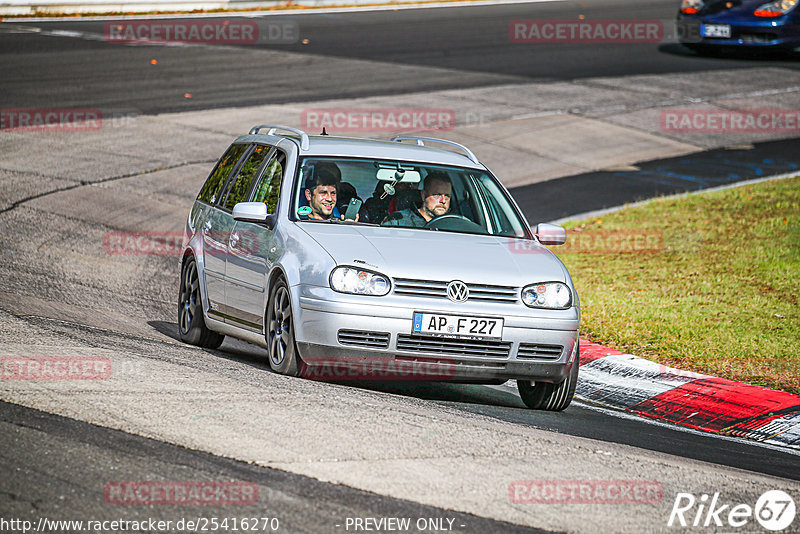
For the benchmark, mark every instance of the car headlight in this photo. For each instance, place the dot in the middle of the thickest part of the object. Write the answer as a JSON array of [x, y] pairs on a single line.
[[690, 7], [551, 295], [359, 281], [775, 9]]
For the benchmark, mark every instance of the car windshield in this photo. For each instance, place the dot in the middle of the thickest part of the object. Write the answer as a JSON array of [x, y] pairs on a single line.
[[404, 194]]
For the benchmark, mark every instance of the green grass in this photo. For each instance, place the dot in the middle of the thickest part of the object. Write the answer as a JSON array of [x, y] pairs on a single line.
[[717, 295]]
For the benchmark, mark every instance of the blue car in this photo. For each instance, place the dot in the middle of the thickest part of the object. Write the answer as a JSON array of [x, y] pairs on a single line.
[[708, 25]]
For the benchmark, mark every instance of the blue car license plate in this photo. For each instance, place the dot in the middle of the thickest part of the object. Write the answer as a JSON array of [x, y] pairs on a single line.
[[722, 31]]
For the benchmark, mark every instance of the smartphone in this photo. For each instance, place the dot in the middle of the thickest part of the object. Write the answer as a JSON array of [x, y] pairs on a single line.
[[352, 209]]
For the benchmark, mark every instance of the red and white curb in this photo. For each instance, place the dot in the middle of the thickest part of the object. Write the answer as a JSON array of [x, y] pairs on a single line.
[[612, 378]]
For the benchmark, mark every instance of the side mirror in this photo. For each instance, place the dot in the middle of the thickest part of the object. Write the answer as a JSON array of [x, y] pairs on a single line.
[[254, 212], [551, 234]]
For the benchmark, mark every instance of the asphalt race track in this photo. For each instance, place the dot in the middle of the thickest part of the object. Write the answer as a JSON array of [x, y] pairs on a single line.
[[318, 452], [304, 504], [670, 176]]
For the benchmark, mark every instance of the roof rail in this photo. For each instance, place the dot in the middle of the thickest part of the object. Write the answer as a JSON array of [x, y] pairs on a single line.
[[421, 142], [303, 136]]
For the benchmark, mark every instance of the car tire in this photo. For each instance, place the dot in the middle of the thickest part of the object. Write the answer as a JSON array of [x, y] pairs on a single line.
[[281, 346], [548, 396], [192, 327]]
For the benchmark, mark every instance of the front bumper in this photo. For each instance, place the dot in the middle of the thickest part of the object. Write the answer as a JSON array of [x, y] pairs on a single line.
[[779, 33], [355, 337]]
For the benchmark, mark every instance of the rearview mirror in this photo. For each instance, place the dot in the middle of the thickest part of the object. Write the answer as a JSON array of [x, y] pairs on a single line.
[[551, 234], [391, 175]]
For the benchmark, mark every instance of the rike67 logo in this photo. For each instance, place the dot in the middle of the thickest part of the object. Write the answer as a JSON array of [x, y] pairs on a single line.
[[774, 510]]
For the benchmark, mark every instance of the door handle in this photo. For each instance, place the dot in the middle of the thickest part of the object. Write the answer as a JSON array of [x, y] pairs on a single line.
[[207, 227], [234, 239]]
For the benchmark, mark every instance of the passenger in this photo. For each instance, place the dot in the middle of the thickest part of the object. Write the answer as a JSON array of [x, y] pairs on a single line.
[[347, 192], [320, 193], [436, 193], [405, 196], [374, 208]]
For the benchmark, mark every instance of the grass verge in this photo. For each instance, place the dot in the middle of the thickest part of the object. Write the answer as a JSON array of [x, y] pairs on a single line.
[[707, 282]]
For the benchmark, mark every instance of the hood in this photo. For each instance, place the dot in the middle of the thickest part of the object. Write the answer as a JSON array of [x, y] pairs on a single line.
[[433, 255]]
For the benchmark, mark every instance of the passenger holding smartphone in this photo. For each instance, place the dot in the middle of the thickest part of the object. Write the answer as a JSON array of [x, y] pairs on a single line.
[[321, 194]]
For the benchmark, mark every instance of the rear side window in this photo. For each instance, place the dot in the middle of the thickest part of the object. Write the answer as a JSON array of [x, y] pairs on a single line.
[[269, 188], [240, 187], [210, 192]]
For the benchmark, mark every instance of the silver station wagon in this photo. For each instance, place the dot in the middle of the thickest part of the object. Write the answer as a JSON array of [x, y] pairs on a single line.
[[355, 259]]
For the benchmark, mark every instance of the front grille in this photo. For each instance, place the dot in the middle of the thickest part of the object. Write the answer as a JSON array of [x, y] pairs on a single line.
[[359, 338], [436, 289], [453, 347], [533, 350]]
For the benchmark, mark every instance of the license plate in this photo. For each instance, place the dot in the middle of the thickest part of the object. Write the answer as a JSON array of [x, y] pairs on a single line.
[[459, 326], [715, 30]]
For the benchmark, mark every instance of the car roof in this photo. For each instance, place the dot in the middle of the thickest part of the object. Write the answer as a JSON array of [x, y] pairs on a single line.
[[334, 146]]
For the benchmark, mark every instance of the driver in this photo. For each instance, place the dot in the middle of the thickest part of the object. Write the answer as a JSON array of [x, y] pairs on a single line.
[[436, 193]]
